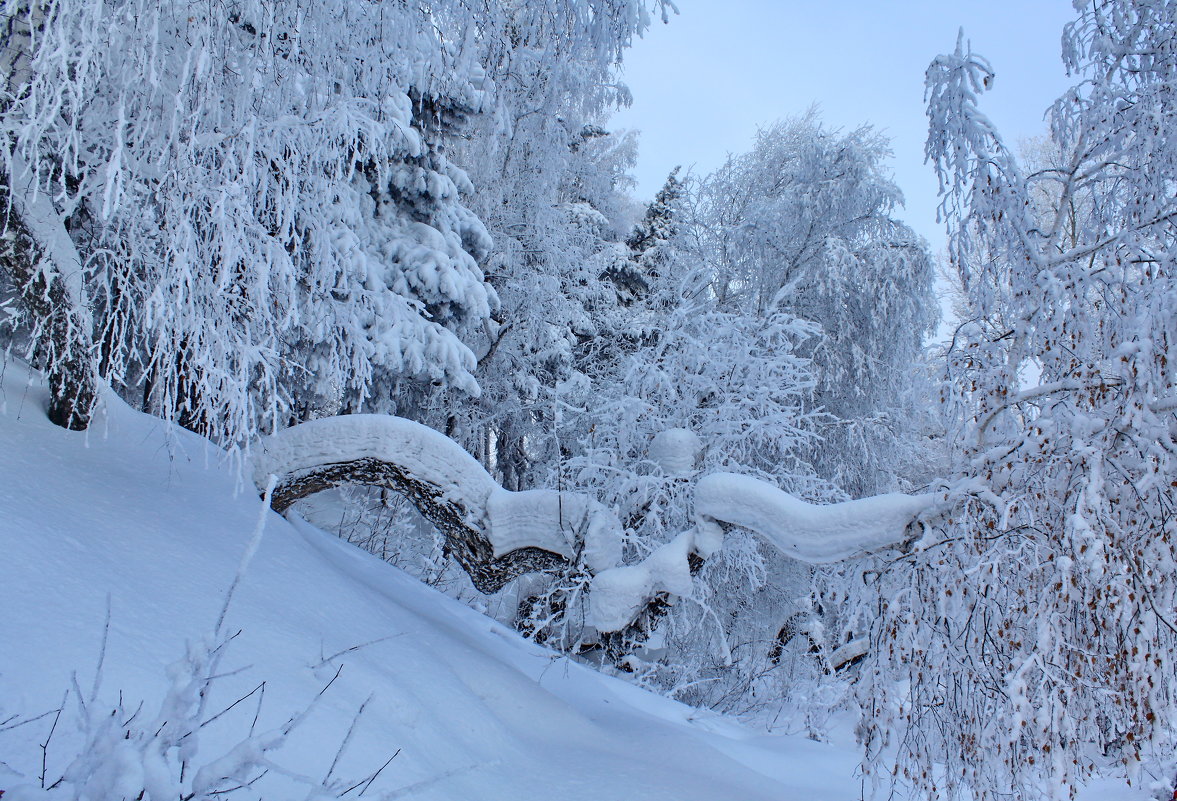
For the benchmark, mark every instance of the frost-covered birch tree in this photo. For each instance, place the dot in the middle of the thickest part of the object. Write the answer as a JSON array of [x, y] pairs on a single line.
[[1031, 637], [804, 223]]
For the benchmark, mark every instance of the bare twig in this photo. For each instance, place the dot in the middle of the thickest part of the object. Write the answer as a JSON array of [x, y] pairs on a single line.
[[230, 706], [338, 654], [346, 739], [45, 745], [368, 781], [377, 773], [101, 653], [257, 712], [301, 716], [18, 724], [134, 714], [250, 550]]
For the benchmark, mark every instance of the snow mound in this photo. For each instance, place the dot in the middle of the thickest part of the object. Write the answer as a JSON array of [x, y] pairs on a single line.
[[554, 521], [676, 451]]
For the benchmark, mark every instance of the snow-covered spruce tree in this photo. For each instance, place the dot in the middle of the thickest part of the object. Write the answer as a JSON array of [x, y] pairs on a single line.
[[635, 274], [1031, 639], [557, 328], [549, 184], [266, 224], [549, 177], [803, 223], [660, 223]]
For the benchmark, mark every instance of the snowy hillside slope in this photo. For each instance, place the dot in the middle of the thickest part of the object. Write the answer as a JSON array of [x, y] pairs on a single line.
[[159, 526]]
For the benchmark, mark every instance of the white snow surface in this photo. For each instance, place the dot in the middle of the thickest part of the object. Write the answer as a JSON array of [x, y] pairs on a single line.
[[160, 529], [805, 531], [157, 527], [675, 450]]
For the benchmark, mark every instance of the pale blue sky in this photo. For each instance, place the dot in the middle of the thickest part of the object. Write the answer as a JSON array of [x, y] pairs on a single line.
[[704, 83]]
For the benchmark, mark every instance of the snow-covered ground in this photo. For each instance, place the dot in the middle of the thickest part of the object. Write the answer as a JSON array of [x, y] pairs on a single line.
[[156, 527], [160, 527]]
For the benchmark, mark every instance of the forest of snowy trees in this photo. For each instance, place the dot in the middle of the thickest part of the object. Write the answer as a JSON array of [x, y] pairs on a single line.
[[387, 256]]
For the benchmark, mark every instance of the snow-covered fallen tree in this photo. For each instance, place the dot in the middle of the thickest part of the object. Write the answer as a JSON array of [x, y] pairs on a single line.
[[493, 533], [496, 535]]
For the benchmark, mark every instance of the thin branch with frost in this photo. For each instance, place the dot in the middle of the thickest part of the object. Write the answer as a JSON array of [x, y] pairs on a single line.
[[340, 653], [347, 738], [251, 549]]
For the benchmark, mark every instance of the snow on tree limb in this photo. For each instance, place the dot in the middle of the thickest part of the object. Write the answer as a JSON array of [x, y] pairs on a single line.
[[497, 535], [619, 595], [804, 531], [494, 534], [427, 456]]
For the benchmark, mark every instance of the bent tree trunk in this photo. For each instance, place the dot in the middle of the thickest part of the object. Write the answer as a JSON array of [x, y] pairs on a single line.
[[493, 534], [496, 535], [37, 253], [465, 542]]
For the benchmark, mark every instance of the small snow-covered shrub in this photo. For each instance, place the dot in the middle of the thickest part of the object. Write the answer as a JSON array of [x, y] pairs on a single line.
[[123, 750]]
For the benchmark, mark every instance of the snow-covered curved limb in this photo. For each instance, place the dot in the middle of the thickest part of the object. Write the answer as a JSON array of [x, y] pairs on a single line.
[[423, 453], [557, 521], [493, 533], [804, 531]]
